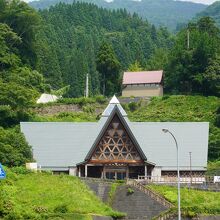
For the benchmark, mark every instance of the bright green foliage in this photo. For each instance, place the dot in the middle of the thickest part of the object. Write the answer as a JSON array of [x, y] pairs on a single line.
[[42, 195], [184, 108], [67, 117], [16, 96], [136, 66], [213, 168], [158, 60], [108, 66], [61, 92], [14, 150], [192, 70], [198, 202], [178, 108]]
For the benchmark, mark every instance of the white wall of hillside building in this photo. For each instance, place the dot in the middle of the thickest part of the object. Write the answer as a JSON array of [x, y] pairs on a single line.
[[142, 90]]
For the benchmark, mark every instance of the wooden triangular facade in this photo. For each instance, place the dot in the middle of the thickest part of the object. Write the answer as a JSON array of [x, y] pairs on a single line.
[[116, 145]]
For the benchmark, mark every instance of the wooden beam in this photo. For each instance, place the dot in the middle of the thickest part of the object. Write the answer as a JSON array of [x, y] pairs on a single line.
[[116, 162]]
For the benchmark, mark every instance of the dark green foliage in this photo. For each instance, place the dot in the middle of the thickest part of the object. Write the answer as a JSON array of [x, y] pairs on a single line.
[[217, 121], [167, 13], [108, 66], [71, 39], [14, 150], [212, 11], [23, 20], [19, 83], [133, 106], [195, 69]]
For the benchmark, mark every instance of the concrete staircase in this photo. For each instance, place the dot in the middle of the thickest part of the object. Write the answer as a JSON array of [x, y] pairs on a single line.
[[101, 188], [137, 205], [133, 199]]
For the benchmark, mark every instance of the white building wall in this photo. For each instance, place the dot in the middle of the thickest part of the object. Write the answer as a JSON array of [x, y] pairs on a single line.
[[156, 171], [72, 171]]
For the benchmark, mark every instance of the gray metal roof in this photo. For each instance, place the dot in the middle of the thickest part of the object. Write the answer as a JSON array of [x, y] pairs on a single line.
[[64, 144], [113, 102], [160, 148], [60, 144]]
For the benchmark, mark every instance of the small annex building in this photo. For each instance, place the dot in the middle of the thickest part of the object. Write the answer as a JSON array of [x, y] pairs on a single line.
[[142, 84], [115, 147]]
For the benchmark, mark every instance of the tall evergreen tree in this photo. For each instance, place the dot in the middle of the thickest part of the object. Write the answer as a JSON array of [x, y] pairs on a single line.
[[108, 67]]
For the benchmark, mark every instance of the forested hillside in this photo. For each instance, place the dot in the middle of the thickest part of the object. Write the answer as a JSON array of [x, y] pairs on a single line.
[[166, 13], [77, 39], [46, 50], [20, 84], [212, 11]]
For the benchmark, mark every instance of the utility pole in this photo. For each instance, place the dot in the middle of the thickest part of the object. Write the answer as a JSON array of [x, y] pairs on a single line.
[[87, 85], [190, 167], [187, 39]]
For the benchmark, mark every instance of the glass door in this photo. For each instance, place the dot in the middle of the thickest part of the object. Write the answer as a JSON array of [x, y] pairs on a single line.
[[121, 175]]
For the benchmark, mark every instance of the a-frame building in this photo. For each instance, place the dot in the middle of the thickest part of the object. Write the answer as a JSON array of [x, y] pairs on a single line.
[[117, 148], [115, 152]]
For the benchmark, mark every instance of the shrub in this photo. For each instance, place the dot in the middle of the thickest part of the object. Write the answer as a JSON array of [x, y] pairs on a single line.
[[40, 209], [130, 191], [20, 170], [13, 216], [100, 99], [88, 109], [133, 106], [61, 209]]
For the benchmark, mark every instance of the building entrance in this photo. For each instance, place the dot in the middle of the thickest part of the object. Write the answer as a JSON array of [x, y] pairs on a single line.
[[118, 173]]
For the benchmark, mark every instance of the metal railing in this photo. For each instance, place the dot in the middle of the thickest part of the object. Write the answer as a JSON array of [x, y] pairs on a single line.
[[173, 179], [157, 197]]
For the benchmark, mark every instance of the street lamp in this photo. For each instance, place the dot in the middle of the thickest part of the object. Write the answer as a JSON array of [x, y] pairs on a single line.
[[178, 171]]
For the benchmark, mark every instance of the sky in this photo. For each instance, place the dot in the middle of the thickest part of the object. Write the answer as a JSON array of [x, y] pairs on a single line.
[[207, 2]]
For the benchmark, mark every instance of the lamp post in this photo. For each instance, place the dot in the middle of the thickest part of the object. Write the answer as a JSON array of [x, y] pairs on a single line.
[[178, 172], [190, 167]]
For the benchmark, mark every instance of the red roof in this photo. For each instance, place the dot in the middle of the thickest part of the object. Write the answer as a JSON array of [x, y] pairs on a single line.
[[142, 77]]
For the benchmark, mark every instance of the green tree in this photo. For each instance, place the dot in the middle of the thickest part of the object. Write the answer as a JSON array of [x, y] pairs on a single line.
[[158, 60], [23, 20], [108, 66], [187, 67], [8, 54], [136, 66], [211, 78], [14, 150]]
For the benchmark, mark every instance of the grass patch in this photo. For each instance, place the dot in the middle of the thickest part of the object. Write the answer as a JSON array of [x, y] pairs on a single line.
[[213, 168], [66, 117], [184, 109], [193, 202], [34, 195]]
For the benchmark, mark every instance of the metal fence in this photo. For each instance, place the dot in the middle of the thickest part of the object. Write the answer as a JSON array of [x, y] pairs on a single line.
[[169, 179]]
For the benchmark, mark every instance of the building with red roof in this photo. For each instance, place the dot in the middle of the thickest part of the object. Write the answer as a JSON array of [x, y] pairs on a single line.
[[143, 83]]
